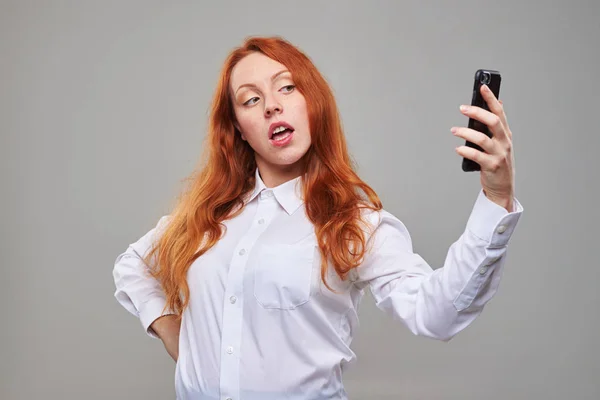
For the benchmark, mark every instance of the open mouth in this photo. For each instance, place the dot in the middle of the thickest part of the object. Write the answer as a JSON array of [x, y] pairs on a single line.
[[280, 130], [282, 134]]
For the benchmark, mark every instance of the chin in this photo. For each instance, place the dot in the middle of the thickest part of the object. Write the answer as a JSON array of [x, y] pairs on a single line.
[[285, 160]]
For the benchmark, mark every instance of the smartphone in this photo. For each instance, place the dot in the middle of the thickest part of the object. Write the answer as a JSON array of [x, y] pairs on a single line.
[[492, 79]]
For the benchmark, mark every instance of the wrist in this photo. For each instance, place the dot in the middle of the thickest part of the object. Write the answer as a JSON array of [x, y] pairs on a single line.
[[502, 200]]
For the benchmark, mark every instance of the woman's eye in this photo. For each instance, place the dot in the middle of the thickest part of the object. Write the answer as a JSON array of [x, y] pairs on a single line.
[[289, 88], [248, 102]]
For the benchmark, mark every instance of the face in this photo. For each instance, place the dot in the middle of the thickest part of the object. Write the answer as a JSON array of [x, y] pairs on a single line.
[[264, 95]]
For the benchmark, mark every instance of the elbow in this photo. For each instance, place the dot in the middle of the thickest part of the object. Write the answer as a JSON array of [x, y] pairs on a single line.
[[439, 334], [445, 324], [445, 337], [435, 320]]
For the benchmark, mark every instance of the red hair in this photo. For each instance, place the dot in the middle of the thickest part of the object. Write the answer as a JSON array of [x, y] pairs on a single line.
[[215, 193]]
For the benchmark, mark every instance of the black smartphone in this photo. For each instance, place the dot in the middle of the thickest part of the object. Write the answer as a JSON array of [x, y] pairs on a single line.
[[492, 79]]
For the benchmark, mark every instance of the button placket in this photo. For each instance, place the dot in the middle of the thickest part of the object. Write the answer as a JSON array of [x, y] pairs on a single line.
[[234, 300]]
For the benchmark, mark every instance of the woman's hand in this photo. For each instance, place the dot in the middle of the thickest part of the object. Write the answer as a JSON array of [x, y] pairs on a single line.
[[497, 162], [167, 328]]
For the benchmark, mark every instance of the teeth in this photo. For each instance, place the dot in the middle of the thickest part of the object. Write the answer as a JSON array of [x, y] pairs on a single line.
[[279, 129], [279, 139]]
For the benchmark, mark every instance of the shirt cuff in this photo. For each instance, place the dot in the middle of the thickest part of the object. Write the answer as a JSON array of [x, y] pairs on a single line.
[[493, 223], [150, 311]]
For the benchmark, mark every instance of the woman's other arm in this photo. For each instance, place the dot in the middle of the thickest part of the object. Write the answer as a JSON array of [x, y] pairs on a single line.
[[136, 290]]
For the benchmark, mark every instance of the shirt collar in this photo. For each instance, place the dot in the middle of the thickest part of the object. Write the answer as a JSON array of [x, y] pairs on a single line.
[[288, 194]]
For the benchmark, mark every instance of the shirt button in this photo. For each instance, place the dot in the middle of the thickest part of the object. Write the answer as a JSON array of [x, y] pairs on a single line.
[[242, 252], [229, 398], [482, 271], [232, 299], [261, 221], [501, 229], [229, 350]]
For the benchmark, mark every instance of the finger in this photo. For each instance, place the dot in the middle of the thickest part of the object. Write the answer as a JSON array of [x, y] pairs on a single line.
[[476, 137], [508, 131], [494, 104], [481, 158], [491, 120]]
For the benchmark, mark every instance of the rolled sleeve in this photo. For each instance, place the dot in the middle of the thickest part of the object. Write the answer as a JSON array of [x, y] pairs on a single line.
[[136, 290], [150, 312]]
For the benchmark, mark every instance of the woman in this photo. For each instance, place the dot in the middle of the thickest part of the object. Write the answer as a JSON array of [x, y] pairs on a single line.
[[254, 280]]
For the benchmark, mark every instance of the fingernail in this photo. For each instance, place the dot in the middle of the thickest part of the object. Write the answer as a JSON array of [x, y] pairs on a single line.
[[486, 88], [453, 130], [464, 108]]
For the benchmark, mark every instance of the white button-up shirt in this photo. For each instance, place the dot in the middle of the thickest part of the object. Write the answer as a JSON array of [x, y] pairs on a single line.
[[261, 325]]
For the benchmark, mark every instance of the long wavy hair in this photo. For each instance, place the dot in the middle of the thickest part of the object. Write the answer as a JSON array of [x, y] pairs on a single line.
[[216, 192]]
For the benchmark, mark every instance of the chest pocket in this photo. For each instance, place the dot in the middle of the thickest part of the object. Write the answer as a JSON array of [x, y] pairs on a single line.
[[284, 276]]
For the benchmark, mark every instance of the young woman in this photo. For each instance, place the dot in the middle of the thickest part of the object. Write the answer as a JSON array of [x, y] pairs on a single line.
[[253, 282]]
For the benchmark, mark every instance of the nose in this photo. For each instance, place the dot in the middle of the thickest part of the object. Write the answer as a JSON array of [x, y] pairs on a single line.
[[272, 107]]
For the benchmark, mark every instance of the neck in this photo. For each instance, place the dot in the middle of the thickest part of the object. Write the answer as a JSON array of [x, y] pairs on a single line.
[[275, 175]]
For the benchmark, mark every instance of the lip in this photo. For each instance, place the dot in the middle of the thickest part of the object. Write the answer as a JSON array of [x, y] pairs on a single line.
[[276, 124]]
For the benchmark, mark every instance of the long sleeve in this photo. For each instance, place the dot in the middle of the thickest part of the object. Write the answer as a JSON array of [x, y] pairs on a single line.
[[438, 303], [136, 290]]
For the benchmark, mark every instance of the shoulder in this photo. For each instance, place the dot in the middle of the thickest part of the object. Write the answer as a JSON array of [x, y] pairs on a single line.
[[378, 218], [153, 234], [163, 222], [382, 224]]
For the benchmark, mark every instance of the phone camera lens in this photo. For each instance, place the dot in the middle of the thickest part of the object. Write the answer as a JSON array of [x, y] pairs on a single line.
[[485, 78]]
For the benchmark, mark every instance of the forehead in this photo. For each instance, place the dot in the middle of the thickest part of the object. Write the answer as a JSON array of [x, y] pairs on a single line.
[[254, 68]]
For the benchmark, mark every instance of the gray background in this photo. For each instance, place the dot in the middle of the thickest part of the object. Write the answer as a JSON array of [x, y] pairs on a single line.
[[103, 107]]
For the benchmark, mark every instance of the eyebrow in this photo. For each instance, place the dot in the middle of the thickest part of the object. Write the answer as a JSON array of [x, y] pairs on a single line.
[[272, 79]]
